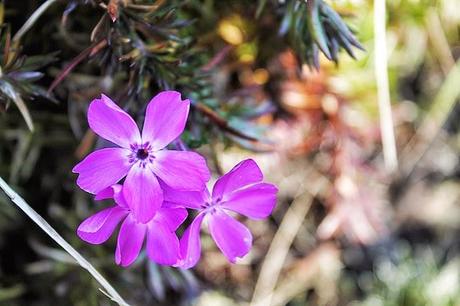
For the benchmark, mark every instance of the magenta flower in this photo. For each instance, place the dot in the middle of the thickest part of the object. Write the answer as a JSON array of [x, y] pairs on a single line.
[[141, 158], [241, 190], [162, 242]]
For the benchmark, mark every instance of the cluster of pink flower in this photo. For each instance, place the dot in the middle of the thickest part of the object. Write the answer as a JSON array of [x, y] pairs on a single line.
[[160, 185]]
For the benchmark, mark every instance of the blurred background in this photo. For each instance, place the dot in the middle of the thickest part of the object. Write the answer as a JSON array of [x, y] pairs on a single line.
[[291, 84]]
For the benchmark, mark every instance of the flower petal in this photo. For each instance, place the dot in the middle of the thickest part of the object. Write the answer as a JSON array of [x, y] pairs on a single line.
[[181, 170], [100, 226], [142, 192], [162, 244], [118, 196], [104, 194], [165, 119], [130, 240], [256, 201], [101, 169], [245, 173], [110, 122], [172, 217], [188, 199], [190, 244], [233, 238], [113, 192]]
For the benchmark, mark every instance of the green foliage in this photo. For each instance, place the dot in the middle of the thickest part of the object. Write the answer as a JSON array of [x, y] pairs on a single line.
[[18, 75], [416, 280], [314, 26]]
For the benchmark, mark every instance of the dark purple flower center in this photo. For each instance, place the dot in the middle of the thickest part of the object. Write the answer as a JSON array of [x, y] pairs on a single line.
[[142, 153], [211, 203]]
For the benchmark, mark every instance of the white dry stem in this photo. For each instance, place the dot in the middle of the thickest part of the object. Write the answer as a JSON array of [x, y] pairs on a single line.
[[383, 88], [278, 251], [264, 292], [47, 228]]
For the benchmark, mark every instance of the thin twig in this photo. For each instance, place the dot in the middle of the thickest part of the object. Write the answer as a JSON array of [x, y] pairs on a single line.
[[221, 122], [32, 19], [383, 89], [89, 51], [48, 229]]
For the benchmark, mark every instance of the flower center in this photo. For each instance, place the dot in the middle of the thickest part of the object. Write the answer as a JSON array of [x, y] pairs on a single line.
[[142, 153], [211, 203]]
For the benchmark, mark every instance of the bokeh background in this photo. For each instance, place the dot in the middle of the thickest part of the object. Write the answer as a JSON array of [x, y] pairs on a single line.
[[346, 230]]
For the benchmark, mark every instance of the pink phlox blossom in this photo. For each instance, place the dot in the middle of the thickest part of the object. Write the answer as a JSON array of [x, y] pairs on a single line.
[[241, 190], [141, 158], [162, 244]]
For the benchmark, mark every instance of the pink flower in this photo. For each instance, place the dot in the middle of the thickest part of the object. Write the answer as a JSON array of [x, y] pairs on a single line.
[[162, 242], [143, 159], [241, 190]]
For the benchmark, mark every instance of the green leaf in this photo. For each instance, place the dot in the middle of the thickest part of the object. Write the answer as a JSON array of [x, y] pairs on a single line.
[[316, 27]]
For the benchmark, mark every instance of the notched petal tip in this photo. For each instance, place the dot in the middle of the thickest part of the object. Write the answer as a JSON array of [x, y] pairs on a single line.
[[110, 122], [77, 167], [245, 173], [105, 97], [100, 226], [165, 119], [255, 201], [106, 193]]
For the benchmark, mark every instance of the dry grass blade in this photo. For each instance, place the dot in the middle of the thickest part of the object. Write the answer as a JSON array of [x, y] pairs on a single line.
[[282, 241], [279, 248], [30, 22], [48, 229], [319, 269]]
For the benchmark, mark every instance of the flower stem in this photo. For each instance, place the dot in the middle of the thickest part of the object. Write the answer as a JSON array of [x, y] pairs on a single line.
[[47, 228]]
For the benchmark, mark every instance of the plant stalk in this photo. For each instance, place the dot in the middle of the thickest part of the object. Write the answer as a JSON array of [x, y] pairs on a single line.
[[383, 88]]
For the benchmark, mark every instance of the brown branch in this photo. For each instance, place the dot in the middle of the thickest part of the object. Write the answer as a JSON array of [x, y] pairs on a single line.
[[221, 122], [218, 58]]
